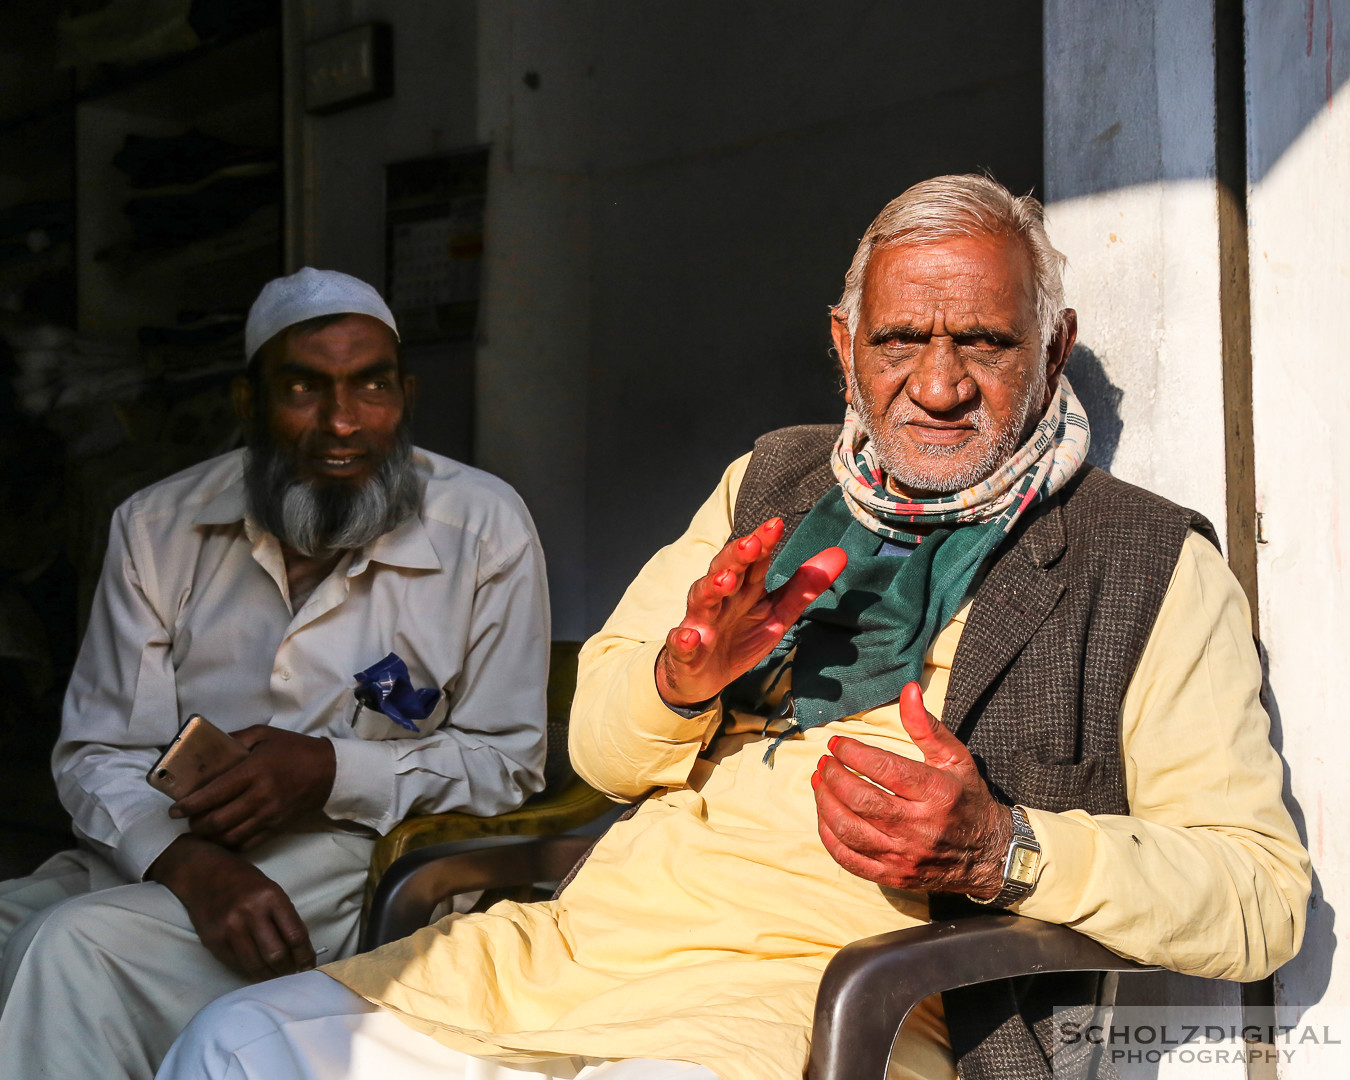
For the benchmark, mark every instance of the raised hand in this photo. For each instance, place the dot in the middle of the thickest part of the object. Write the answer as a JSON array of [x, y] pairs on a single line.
[[930, 825], [285, 775], [730, 622]]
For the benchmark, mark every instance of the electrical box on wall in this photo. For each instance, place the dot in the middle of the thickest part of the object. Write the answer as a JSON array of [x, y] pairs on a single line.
[[350, 68]]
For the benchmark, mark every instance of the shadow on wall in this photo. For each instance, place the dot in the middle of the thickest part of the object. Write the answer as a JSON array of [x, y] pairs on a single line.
[[1101, 398], [1319, 939], [1297, 71]]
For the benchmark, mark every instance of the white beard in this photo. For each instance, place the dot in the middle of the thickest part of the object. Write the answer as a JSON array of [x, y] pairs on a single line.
[[944, 470]]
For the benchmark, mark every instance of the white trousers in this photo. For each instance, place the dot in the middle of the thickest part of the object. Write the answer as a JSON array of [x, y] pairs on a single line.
[[98, 976], [311, 1027]]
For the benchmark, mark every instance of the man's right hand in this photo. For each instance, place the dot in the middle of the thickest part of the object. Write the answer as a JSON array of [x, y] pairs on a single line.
[[241, 915], [731, 623]]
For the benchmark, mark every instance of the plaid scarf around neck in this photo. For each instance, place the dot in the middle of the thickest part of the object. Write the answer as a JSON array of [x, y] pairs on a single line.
[[860, 642]]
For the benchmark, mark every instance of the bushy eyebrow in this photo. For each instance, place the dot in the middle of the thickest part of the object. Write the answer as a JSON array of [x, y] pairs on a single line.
[[980, 332], [903, 332], [897, 332]]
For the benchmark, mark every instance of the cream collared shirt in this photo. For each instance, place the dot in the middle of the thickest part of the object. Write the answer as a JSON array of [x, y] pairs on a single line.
[[192, 614]]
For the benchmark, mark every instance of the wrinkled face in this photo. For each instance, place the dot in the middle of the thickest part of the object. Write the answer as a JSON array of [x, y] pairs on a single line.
[[334, 399], [945, 368]]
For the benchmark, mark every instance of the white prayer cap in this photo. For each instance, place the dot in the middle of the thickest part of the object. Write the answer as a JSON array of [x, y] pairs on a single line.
[[307, 294]]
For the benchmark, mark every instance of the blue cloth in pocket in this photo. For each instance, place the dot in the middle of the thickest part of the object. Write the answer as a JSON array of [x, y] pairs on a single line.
[[387, 687]]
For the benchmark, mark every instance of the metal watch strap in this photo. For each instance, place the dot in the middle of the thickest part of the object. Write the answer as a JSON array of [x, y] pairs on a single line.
[[1023, 836]]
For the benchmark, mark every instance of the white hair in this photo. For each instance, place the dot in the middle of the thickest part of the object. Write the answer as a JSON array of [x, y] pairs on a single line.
[[970, 205]]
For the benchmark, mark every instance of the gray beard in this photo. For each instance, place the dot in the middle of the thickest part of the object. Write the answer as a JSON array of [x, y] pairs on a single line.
[[939, 472], [321, 519]]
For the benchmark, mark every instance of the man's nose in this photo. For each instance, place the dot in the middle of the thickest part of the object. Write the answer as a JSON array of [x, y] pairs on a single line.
[[340, 416], [940, 381]]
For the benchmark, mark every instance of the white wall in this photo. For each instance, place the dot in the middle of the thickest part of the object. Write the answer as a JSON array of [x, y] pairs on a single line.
[[1299, 154]]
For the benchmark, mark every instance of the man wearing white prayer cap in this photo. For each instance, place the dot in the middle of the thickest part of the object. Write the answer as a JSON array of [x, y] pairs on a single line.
[[250, 589]]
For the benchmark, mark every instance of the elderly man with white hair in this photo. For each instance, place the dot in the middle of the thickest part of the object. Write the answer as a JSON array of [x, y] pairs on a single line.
[[930, 661], [251, 589]]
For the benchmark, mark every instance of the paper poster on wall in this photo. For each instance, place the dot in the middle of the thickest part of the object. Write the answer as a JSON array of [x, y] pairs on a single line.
[[434, 244]]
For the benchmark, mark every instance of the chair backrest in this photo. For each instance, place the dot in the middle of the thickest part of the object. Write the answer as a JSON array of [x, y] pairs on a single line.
[[562, 686]]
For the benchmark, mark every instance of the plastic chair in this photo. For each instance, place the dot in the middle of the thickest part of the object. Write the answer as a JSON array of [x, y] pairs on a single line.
[[566, 802], [867, 990]]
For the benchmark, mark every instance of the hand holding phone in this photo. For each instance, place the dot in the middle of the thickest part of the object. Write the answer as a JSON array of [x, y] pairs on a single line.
[[198, 754], [284, 777]]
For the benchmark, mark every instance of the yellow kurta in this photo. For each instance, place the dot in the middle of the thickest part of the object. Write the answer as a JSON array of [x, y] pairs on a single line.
[[698, 929]]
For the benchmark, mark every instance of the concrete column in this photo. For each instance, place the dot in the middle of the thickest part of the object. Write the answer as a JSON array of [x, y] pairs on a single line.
[[534, 93], [336, 169], [1298, 60], [1132, 200]]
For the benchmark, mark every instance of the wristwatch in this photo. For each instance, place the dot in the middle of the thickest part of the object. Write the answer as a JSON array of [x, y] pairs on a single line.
[[1020, 866]]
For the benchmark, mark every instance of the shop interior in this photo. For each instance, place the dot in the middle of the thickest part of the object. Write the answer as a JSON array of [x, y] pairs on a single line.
[[611, 234]]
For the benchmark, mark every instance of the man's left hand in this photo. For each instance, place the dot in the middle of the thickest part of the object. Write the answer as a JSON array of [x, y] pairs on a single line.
[[931, 826], [285, 775]]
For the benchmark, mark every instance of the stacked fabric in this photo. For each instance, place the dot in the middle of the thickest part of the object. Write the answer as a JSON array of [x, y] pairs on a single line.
[[57, 368], [35, 249], [129, 32], [194, 187], [200, 344]]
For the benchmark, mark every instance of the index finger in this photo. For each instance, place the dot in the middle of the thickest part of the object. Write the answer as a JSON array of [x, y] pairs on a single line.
[[812, 578], [213, 795], [295, 934], [895, 773]]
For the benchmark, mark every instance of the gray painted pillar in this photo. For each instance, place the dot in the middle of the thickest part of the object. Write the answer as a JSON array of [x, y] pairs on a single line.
[[534, 94], [1132, 200], [1130, 188]]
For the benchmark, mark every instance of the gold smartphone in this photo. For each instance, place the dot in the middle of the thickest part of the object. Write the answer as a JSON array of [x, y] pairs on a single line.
[[198, 754]]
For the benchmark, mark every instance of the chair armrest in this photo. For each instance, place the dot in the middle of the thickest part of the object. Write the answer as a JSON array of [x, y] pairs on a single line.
[[871, 985], [571, 806], [574, 805], [410, 890]]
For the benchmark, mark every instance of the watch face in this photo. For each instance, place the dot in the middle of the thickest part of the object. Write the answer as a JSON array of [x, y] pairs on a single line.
[[1023, 863]]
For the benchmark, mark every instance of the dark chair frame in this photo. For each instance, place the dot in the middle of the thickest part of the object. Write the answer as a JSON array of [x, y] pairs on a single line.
[[867, 990]]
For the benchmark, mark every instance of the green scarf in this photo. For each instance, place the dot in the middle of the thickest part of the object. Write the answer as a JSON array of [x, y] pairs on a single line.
[[858, 644]]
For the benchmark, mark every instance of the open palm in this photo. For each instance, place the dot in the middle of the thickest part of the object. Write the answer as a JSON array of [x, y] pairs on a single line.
[[731, 623]]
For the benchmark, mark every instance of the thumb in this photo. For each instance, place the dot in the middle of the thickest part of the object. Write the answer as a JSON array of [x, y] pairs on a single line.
[[941, 749]]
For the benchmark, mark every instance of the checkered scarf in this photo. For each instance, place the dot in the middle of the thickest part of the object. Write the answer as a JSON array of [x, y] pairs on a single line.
[[1044, 463]]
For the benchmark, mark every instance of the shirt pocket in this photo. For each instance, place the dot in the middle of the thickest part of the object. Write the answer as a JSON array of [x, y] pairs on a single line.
[[373, 724]]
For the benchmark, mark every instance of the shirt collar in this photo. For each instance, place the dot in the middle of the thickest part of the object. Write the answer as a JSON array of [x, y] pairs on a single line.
[[407, 545], [228, 506]]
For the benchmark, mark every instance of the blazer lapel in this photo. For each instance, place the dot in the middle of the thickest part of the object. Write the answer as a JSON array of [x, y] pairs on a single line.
[[1020, 590]]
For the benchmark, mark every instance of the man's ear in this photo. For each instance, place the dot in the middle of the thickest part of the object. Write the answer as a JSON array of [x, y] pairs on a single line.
[[241, 397], [409, 393], [843, 348], [1061, 346]]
